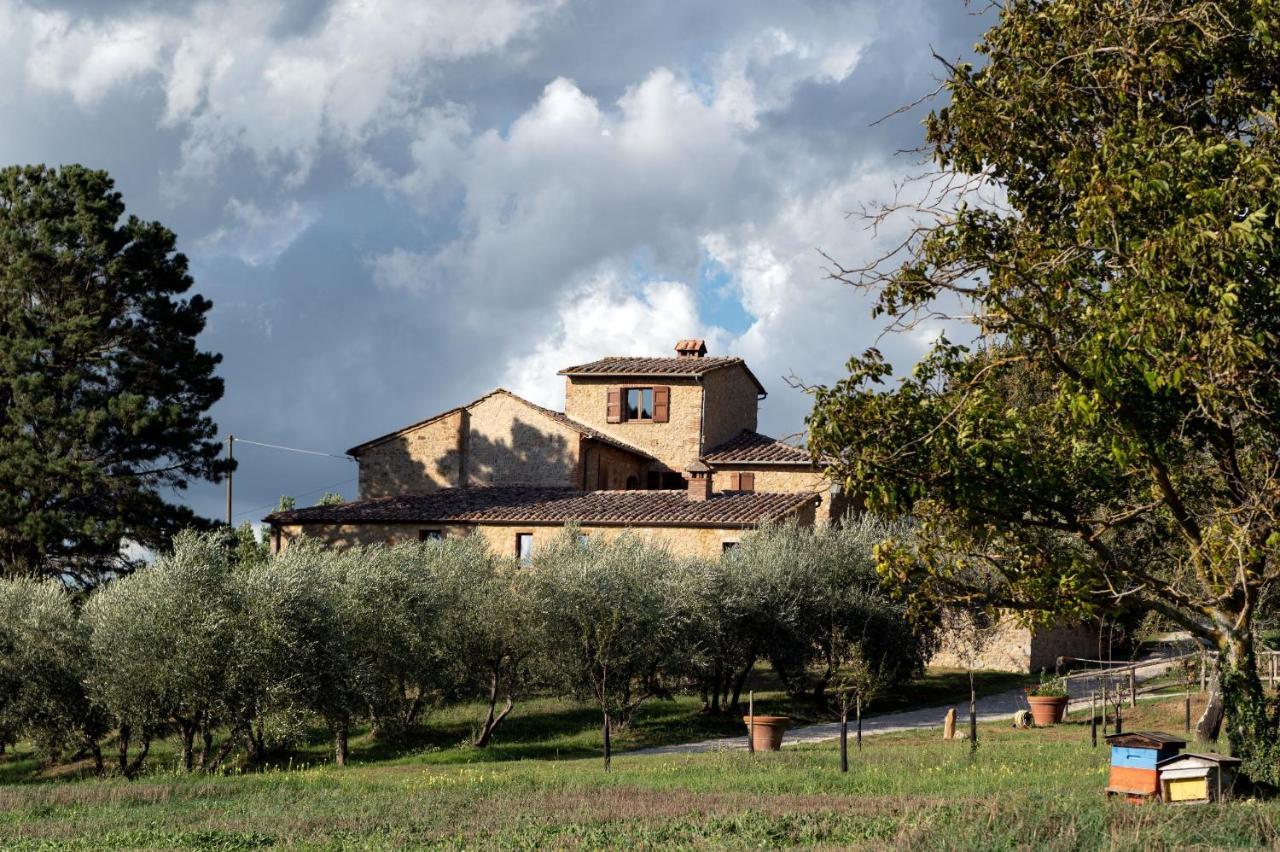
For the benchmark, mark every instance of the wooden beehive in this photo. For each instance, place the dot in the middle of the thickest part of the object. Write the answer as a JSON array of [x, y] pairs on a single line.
[[1134, 760], [1189, 779]]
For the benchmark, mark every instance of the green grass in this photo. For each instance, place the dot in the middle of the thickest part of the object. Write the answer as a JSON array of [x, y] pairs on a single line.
[[1023, 788]]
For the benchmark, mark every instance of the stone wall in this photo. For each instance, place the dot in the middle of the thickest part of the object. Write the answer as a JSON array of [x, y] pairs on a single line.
[[417, 461], [733, 404], [1015, 648], [674, 443], [681, 541], [608, 468], [787, 480], [510, 443], [500, 440]]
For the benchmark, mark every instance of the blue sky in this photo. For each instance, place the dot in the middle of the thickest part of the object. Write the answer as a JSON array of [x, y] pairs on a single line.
[[396, 206]]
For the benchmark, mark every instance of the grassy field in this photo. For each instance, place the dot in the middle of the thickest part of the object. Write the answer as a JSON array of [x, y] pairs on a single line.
[[1023, 788]]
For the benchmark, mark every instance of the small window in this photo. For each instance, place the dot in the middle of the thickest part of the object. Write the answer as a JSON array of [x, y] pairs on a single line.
[[633, 483], [430, 535], [524, 547], [728, 546], [639, 404]]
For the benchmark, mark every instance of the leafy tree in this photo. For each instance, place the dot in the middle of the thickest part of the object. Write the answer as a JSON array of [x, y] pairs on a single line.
[[496, 631], [103, 391], [803, 598], [164, 642], [610, 622], [44, 658], [329, 498], [309, 650], [1111, 442]]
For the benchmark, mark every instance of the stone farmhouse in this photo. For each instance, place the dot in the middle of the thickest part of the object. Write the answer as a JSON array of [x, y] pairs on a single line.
[[665, 448]]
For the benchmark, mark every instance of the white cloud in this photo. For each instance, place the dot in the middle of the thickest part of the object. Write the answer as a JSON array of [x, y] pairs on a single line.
[[258, 236], [87, 60], [232, 84], [604, 314]]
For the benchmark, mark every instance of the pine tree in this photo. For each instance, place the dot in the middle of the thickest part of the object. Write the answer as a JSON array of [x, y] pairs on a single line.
[[104, 393]]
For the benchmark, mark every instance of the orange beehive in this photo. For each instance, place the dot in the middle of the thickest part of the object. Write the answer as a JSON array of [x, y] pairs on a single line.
[[1134, 758]]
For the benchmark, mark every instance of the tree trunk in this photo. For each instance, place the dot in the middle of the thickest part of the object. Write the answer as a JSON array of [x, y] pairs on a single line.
[[492, 721], [340, 744], [858, 711], [122, 749], [1209, 725], [96, 751], [187, 728], [740, 683], [607, 751], [1250, 727]]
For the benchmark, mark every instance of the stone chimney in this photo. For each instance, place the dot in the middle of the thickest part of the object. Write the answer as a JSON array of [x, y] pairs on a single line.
[[699, 480], [691, 348]]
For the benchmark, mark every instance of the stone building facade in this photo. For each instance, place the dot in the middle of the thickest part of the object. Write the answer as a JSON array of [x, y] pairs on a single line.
[[663, 448], [632, 426]]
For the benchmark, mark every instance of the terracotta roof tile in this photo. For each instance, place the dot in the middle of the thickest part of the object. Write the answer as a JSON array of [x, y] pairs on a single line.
[[519, 504], [753, 448], [647, 367]]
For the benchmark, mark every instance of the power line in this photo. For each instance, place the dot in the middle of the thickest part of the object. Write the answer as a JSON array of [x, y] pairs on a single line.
[[292, 449]]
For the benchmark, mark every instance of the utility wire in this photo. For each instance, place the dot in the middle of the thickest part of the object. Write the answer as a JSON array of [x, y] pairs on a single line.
[[292, 449]]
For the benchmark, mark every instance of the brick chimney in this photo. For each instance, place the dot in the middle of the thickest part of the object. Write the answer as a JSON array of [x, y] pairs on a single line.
[[699, 480], [691, 348]]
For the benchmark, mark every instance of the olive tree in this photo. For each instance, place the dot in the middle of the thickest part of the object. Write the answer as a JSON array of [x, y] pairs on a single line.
[[162, 645], [610, 620], [44, 656]]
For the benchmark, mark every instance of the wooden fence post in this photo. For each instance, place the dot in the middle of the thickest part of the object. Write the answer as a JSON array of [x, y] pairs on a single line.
[[1093, 717], [1133, 687]]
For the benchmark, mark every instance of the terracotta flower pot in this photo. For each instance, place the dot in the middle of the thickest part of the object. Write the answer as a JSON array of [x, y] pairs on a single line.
[[767, 735], [1047, 709]]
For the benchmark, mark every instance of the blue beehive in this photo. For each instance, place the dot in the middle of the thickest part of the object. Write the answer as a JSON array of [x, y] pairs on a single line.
[[1134, 757]]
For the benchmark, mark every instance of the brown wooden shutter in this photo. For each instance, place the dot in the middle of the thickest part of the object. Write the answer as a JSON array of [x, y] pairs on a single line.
[[733, 482], [661, 404], [613, 406], [747, 482]]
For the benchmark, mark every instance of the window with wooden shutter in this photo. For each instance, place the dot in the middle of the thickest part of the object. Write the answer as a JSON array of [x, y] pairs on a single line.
[[613, 406], [661, 404], [746, 482], [733, 482]]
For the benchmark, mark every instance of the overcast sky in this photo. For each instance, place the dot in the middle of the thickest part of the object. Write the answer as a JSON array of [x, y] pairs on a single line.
[[398, 206]]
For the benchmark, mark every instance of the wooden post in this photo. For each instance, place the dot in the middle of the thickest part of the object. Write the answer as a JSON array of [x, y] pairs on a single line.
[[973, 716], [1066, 712], [1202, 672], [858, 710], [231, 457], [844, 735], [606, 741], [1133, 686], [1093, 717], [751, 722], [949, 724], [1104, 705]]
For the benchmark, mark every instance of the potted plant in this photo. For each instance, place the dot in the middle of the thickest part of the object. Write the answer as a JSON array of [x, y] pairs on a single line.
[[766, 731], [1048, 700]]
